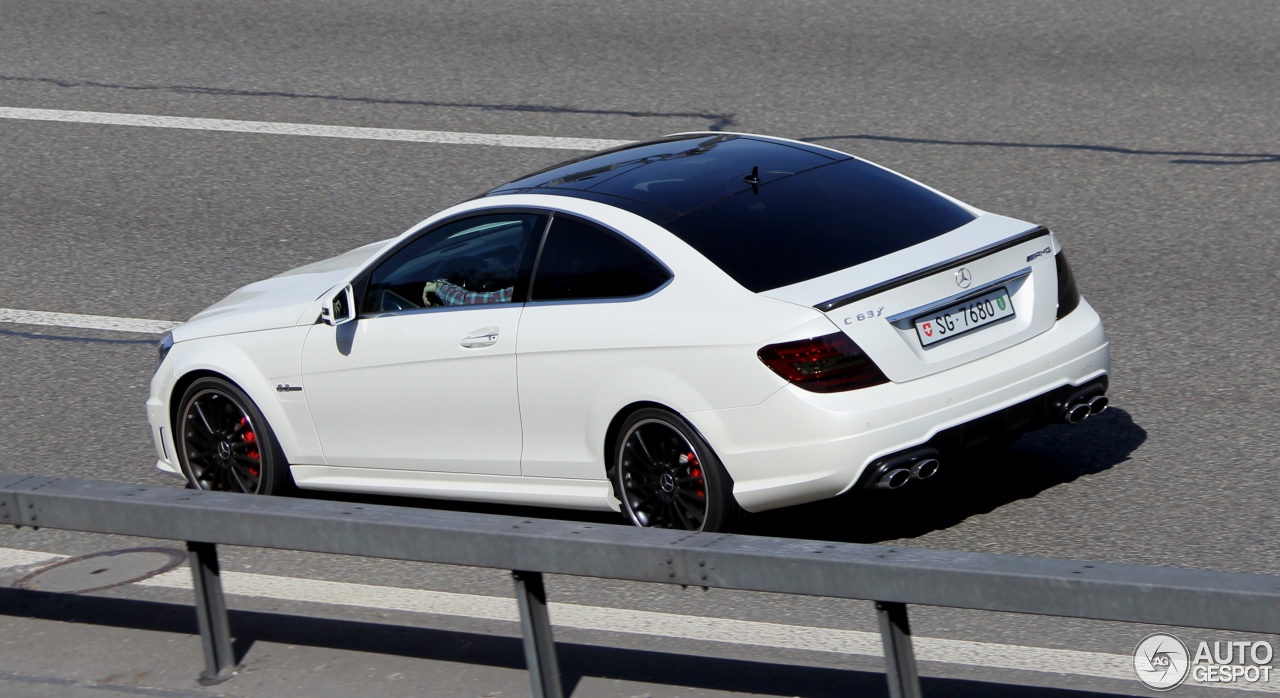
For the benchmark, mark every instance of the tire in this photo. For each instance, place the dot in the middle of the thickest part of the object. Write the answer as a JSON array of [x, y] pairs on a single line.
[[226, 444], [666, 476]]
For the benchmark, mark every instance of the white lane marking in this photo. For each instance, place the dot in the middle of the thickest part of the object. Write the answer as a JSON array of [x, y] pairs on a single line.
[[619, 620], [321, 130], [86, 322], [13, 557]]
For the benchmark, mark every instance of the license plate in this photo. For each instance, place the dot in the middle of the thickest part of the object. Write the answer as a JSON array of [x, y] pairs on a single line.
[[962, 317]]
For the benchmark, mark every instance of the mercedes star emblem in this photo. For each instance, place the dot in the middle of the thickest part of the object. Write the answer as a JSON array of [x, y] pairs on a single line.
[[964, 277]]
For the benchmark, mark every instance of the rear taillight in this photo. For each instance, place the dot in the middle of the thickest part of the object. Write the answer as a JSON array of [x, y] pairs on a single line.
[[1068, 292], [826, 364]]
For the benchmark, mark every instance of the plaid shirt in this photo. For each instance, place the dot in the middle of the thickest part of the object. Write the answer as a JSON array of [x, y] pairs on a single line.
[[457, 295]]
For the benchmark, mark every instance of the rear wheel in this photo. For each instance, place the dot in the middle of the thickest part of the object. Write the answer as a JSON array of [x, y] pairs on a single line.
[[666, 476], [225, 443]]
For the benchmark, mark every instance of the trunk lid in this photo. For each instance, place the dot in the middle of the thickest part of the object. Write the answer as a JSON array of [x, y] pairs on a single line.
[[877, 303]]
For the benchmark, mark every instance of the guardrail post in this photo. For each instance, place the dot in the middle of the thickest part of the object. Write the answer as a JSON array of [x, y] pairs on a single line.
[[535, 624], [899, 657], [211, 614]]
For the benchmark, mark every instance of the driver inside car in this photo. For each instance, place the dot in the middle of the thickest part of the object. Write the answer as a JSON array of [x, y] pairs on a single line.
[[452, 294], [490, 276]]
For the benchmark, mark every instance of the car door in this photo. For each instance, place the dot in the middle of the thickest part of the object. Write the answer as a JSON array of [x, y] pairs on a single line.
[[425, 377], [585, 324]]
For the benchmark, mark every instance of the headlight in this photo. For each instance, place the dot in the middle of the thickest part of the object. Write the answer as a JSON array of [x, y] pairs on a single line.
[[163, 350]]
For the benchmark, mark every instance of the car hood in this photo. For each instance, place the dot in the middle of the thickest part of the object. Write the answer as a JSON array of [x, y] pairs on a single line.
[[277, 302]]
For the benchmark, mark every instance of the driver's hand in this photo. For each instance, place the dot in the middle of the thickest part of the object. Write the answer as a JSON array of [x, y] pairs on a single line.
[[429, 288]]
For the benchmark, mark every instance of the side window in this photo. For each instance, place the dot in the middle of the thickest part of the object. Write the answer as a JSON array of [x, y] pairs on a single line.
[[582, 261], [473, 261]]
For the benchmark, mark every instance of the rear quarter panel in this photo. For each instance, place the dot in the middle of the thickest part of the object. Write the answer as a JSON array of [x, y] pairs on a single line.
[[690, 346]]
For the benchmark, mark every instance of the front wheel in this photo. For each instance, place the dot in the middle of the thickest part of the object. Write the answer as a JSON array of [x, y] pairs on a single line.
[[224, 442], [666, 476]]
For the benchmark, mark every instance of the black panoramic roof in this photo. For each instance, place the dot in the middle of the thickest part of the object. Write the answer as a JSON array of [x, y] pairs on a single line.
[[769, 213], [668, 177]]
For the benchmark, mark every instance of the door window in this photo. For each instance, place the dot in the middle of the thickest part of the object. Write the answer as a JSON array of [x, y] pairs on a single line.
[[474, 261], [581, 261]]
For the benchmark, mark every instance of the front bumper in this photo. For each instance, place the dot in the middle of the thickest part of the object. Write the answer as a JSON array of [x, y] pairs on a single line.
[[158, 417], [799, 446]]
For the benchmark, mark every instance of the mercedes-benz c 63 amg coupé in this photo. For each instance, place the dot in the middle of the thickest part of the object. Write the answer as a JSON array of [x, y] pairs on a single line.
[[678, 329]]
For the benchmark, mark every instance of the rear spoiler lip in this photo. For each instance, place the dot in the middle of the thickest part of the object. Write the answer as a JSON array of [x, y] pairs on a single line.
[[828, 306]]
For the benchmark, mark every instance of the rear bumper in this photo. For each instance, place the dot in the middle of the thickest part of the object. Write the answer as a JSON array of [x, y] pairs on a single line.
[[993, 430], [799, 446]]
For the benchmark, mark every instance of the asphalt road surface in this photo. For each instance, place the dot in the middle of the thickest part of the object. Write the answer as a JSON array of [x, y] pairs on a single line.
[[1145, 133]]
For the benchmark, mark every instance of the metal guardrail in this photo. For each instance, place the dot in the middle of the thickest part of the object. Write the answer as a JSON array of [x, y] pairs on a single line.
[[891, 576]]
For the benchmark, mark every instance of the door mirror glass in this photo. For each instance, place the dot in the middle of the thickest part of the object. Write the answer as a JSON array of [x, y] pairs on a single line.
[[339, 308]]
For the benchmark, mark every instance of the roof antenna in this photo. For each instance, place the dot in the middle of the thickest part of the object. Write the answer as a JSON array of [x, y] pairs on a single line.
[[753, 179]]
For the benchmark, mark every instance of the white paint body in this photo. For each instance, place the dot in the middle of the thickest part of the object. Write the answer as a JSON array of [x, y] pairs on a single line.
[[407, 410]]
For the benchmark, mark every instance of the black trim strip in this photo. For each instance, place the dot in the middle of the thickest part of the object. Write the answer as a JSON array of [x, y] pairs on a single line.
[[828, 306], [537, 257]]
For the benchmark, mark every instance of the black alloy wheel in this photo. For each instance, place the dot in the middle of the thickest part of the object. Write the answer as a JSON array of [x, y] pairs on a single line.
[[225, 443], [666, 476]]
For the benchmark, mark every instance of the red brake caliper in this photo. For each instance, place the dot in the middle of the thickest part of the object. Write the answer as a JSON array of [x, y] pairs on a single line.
[[249, 438], [695, 472]]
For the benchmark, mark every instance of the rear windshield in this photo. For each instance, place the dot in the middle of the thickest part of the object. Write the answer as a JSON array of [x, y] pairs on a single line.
[[813, 223]]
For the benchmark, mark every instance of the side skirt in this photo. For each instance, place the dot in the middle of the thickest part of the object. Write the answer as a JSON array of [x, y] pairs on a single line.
[[594, 495]]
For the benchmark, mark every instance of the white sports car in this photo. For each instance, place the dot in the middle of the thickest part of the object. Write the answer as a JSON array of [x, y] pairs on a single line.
[[678, 329]]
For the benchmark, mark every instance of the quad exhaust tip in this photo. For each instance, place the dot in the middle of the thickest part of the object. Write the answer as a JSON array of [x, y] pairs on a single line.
[[894, 479], [902, 469], [1077, 412], [925, 469], [1098, 404], [1074, 414]]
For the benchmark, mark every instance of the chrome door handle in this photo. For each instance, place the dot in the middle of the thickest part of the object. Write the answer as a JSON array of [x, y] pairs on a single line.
[[481, 338]]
